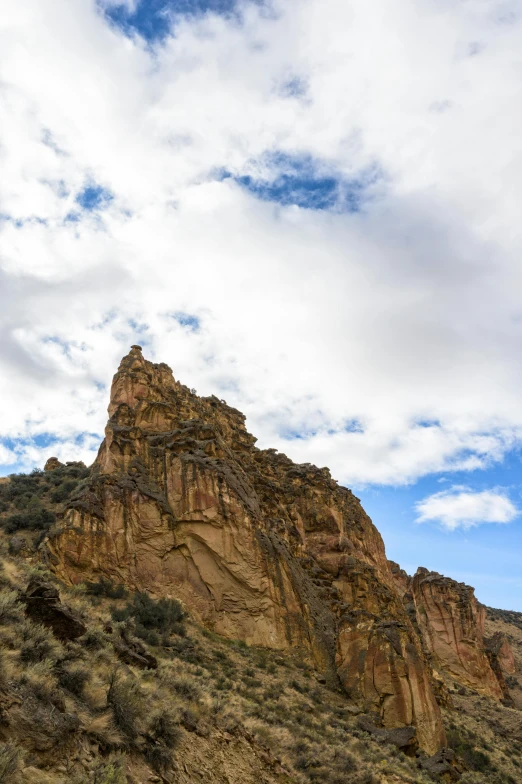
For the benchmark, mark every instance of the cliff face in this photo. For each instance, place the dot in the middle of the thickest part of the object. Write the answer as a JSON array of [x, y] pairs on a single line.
[[182, 503], [499, 649], [451, 621]]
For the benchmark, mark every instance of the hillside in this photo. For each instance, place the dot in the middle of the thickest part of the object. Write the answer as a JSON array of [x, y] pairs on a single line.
[[212, 611]]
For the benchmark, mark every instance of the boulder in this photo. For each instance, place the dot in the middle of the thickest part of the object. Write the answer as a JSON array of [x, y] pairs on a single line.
[[43, 605], [443, 764], [133, 652], [405, 738], [52, 464]]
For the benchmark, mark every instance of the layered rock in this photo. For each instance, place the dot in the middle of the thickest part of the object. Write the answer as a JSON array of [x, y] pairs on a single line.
[[451, 622], [182, 503], [499, 648], [401, 578]]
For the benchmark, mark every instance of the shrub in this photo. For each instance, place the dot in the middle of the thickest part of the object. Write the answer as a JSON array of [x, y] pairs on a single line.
[[36, 518], [37, 644], [107, 588], [186, 688], [10, 758], [474, 758], [94, 640], [189, 719], [72, 678], [40, 683], [158, 756], [164, 616], [126, 700], [109, 773], [63, 491], [10, 607]]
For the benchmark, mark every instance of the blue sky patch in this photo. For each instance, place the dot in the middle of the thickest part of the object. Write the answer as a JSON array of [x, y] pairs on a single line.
[[296, 435], [154, 19], [305, 182], [294, 87], [93, 197], [187, 320]]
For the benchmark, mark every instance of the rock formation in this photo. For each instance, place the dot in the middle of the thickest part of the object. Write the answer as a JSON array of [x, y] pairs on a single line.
[[401, 578], [498, 647], [52, 464], [43, 606], [451, 622], [181, 503]]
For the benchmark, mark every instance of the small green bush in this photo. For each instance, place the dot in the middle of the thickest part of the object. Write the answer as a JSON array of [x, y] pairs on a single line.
[[10, 607], [73, 679], [126, 700], [107, 588], [36, 518], [164, 728], [37, 644], [109, 773], [10, 758], [462, 743], [94, 640], [186, 688], [163, 735], [63, 491], [153, 618], [158, 756]]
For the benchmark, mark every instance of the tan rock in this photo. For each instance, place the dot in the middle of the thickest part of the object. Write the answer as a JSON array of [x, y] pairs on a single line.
[[181, 503], [52, 464], [499, 647], [451, 621], [401, 578]]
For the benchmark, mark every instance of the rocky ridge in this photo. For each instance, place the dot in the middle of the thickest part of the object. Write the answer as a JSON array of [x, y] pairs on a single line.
[[182, 503]]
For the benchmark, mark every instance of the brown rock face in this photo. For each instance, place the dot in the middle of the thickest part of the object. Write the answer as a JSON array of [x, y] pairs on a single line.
[[181, 503], [401, 578], [451, 622], [499, 648]]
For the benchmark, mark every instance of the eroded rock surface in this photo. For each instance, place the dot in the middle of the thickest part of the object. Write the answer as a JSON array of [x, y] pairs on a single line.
[[499, 648], [451, 622], [401, 578], [182, 503]]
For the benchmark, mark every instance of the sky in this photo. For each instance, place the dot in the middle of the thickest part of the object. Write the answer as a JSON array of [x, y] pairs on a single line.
[[308, 208]]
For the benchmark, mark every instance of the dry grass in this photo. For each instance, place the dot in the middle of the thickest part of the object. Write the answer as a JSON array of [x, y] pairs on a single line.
[[205, 688]]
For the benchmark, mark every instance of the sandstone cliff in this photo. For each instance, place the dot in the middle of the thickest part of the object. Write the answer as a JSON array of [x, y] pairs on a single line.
[[451, 622], [181, 503]]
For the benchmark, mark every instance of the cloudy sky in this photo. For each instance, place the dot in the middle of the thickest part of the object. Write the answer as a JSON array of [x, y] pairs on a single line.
[[310, 208]]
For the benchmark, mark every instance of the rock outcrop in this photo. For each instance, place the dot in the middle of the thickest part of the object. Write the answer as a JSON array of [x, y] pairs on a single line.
[[451, 622], [401, 578], [499, 648], [43, 606], [52, 464], [181, 503]]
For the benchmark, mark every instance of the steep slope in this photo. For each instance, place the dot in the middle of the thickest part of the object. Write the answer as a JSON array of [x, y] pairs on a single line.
[[181, 503]]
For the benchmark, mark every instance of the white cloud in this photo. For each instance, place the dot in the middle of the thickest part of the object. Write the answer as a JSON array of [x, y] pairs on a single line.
[[461, 507], [405, 317]]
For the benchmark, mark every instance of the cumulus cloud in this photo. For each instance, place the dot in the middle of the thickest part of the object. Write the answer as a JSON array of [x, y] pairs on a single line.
[[400, 313], [461, 507]]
